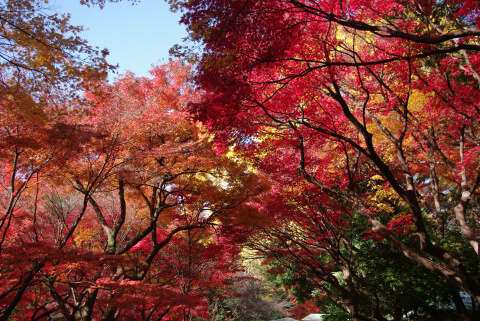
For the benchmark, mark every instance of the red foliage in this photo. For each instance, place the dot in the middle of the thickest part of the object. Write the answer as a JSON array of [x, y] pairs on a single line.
[[128, 211], [301, 310], [339, 93]]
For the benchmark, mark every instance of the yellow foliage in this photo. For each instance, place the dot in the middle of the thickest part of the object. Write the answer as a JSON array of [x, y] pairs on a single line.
[[382, 198]]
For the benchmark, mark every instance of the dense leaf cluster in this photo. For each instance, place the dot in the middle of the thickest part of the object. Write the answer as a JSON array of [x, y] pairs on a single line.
[[337, 141], [364, 114]]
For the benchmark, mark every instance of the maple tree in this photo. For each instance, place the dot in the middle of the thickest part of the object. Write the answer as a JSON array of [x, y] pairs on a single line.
[[123, 212], [43, 63], [330, 259], [115, 204], [348, 95], [43, 58]]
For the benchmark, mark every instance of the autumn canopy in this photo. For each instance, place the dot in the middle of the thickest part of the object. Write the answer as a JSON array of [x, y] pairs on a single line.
[[318, 156]]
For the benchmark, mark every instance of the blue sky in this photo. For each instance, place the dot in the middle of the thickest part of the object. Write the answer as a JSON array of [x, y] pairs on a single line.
[[136, 35]]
